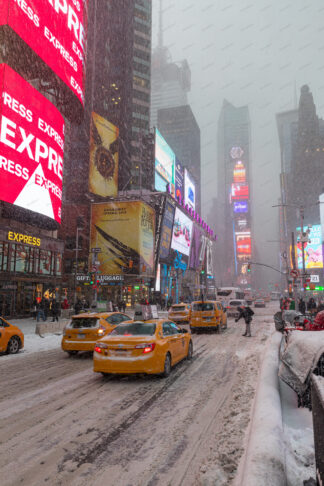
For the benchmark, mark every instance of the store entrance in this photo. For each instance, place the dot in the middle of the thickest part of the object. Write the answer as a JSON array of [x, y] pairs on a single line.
[[6, 303]]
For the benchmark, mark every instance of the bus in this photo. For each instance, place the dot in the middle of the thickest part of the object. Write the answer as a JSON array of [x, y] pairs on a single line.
[[225, 294]]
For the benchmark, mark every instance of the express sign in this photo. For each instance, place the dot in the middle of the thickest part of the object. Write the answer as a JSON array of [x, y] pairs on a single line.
[[55, 30], [31, 147]]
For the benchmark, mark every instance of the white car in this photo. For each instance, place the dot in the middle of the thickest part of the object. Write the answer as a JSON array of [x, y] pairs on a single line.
[[232, 306]]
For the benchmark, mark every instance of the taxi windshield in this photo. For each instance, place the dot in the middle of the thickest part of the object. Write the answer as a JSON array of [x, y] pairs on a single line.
[[86, 322], [178, 308], [134, 329], [203, 306]]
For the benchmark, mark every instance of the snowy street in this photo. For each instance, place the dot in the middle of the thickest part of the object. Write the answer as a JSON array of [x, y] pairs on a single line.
[[80, 428]]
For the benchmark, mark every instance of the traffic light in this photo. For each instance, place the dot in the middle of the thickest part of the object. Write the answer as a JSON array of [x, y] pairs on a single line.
[[202, 272], [249, 267], [92, 278]]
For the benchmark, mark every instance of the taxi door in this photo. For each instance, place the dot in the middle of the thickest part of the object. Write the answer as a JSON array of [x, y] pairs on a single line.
[[181, 341], [3, 335], [218, 313], [170, 333]]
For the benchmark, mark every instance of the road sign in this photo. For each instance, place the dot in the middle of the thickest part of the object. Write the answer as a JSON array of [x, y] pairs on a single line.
[[95, 250], [294, 273]]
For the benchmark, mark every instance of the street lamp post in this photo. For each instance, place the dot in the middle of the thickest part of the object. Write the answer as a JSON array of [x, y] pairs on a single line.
[[76, 262]]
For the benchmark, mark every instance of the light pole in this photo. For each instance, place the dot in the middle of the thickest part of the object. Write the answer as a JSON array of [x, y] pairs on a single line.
[[76, 262]]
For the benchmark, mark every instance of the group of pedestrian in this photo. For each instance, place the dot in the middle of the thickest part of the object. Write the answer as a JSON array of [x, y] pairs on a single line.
[[45, 308]]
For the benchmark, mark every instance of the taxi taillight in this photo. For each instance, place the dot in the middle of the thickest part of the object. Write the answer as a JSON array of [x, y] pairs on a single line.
[[99, 347], [147, 348]]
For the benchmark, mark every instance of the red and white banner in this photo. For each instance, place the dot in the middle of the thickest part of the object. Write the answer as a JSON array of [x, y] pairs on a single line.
[[31, 147], [56, 31]]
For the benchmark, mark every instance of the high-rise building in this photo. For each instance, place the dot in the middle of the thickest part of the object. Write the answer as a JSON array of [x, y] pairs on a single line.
[[232, 214], [179, 127]]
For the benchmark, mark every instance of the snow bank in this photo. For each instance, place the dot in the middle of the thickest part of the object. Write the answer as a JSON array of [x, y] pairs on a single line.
[[264, 460]]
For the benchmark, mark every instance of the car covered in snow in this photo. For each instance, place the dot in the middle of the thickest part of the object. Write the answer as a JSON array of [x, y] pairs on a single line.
[[11, 337], [259, 303], [83, 331], [233, 305], [179, 312]]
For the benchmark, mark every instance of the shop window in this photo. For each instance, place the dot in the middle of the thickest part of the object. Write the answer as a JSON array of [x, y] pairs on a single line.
[[4, 250], [58, 264], [45, 262], [22, 258]]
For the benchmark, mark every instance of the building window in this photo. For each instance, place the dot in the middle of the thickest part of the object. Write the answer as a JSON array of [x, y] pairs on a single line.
[[22, 258], [45, 262], [4, 251]]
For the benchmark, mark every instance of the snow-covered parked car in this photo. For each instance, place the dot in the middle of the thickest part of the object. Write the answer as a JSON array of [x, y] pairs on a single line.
[[301, 354]]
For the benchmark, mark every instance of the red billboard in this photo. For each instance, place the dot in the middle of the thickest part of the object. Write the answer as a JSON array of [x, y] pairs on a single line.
[[55, 30], [243, 242], [31, 147], [239, 191]]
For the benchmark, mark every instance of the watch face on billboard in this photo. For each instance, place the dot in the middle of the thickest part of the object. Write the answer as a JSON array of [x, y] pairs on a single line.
[[240, 191], [236, 152], [56, 31], [164, 165], [31, 147], [182, 233], [190, 191], [179, 181], [241, 207]]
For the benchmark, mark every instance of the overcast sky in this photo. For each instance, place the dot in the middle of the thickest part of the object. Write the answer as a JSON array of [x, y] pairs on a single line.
[[251, 52]]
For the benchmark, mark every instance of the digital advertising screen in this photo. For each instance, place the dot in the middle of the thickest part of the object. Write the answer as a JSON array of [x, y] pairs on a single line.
[[190, 190], [239, 173], [182, 233], [239, 191], [241, 207], [321, 200], [164, 165], [312, 250], [123, 251], [197, 242], [56, 31], [31, 147], [179, 180], [243, 242], [103, 167], [166, 230]]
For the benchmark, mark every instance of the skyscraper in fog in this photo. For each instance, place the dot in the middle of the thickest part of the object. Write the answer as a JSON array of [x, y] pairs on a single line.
[[233, 208]]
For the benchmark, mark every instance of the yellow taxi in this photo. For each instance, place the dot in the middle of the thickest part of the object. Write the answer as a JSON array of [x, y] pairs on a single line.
[[11, 337], [208, 314], [150, 347], [85, 329], [179, 313]]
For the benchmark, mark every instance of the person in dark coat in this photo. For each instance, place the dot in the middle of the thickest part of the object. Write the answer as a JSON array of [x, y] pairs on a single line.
[[302, 306], [78, 306], [246, 313], [55, 310], [311, 306]]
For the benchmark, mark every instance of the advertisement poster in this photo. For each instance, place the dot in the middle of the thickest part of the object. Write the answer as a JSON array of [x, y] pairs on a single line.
[[312, 250], [239, 174], [241, 207], [164, 165], [124, 232], [243, 242], [179, 181], [190, 190], [166, 231], [182, 232], [103, 169], [196, 244], [31, 147], [321, 200], [239, 191], [209, 257], [56, 31]]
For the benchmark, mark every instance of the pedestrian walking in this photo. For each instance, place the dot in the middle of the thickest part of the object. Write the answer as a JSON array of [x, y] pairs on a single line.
[[55, 308], [302, 306], [40, 311], [246, 313], [124, 306], [311, 306]]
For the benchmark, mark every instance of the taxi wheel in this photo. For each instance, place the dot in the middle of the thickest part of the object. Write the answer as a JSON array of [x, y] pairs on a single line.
[[190, 351], [13, 345], [167, 365]]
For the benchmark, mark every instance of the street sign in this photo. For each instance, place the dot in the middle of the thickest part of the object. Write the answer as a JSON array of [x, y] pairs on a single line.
[[314, 278], [97, 263], [294, 273], [95, 250]]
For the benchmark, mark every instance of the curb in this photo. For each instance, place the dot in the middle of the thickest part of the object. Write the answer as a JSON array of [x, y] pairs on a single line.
[[264, 459]]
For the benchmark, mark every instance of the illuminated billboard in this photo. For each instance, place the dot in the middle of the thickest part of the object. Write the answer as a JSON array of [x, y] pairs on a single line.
[[179, 181], [124, 231], [190, 190], [31, 147], [197, 242], [56, 31], [239, 191], [321, 201], [312, 250], [166, 230], [182, 232], [239, 173], [241, 207], [243, 242], [164, 165], [103, 168]]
